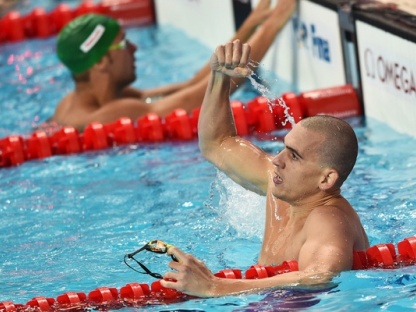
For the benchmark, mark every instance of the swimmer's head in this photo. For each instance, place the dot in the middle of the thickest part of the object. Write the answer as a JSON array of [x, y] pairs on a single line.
[[85, 40]]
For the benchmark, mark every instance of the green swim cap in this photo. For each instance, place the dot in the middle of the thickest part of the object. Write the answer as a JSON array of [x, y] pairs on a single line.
[[85, 40]]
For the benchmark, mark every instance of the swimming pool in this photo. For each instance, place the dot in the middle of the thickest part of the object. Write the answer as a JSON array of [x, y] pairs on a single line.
[[67, 221]]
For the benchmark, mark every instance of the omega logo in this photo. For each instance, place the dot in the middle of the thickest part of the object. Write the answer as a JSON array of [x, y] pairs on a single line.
[[389, 72]]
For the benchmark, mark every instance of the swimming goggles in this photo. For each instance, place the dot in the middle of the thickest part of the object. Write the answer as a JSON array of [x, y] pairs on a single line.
[[155, 246], [121, 45]]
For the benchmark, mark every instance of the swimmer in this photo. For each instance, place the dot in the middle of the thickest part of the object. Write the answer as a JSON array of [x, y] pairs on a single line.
[[6, 5], [101, 59], [307, 218]]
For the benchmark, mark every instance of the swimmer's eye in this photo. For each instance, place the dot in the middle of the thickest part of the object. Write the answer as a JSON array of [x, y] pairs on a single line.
[[294, 156], [122, 45]]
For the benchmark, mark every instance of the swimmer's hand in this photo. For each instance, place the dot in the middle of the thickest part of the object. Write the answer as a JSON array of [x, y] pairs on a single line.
[[232, 59], [189, 275]]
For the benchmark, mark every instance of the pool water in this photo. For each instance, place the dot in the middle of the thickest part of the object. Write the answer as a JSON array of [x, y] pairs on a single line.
[[67, 221]]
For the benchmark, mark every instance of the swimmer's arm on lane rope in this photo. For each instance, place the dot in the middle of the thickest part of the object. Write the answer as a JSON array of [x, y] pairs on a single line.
[[192, 277], [160, 91], [326, 251], [133, 108]]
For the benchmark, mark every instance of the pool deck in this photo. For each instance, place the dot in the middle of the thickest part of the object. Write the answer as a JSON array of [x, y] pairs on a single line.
[[408, 6]]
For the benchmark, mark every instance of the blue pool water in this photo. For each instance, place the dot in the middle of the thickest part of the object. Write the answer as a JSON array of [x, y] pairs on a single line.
[[67, 221]]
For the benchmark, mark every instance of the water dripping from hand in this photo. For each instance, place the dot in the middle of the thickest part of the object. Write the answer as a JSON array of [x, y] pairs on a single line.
[[272, 99]]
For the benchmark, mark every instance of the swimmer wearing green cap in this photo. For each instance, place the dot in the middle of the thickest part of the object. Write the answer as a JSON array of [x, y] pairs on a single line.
[[85, 41], [101, 60]]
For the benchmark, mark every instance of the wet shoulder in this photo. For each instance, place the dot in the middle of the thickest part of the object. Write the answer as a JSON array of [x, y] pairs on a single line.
[[341, 217], [63, 108]]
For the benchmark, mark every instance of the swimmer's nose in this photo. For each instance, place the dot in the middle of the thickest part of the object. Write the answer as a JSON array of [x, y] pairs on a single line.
[[278, 161], [131, 46]]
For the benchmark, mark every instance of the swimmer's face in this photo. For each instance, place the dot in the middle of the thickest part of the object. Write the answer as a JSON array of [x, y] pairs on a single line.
[[121, 53], [298, 171]]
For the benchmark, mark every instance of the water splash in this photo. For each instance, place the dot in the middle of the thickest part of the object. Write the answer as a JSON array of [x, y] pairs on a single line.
[[272, 99], [242, 210]]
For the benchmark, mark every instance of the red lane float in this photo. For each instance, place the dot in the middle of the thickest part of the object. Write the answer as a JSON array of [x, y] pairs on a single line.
[[259, 271], [339, 102], [45, 304], [150, 128], [382, 256], [38, 146], [385, 256], [12, 151], [134, 291], [42, 24], [130, 295], [259, 115]]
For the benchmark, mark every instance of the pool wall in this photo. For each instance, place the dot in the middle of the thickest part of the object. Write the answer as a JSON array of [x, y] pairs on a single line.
[[337, 42], [253, 115], [327, 45]]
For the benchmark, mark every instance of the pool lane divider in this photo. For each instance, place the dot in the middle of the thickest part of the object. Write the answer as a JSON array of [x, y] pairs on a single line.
[[380, 256], [42, 24], [260, 115]]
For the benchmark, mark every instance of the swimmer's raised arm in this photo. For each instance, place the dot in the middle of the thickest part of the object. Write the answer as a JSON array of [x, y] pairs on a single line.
[[218, 140]]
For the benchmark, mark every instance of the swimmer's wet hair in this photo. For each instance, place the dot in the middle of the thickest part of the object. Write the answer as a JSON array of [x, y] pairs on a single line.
[[85, 40], [340, 149]]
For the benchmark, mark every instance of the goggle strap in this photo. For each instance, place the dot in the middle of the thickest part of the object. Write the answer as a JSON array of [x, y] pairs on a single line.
[[131, 255], [150, 246], [145, 269]]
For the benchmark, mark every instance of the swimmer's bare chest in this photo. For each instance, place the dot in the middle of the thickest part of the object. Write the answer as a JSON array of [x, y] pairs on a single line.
[[281, 246], [282, 239]]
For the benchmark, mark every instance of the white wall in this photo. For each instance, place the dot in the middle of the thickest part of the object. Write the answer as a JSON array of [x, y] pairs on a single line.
[[210, 21], [308, 51], [388, 77], [313, 61], [319, 48]]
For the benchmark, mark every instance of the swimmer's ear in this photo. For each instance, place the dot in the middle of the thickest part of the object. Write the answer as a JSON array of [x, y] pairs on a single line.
[[103, 63], [329, 178]]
